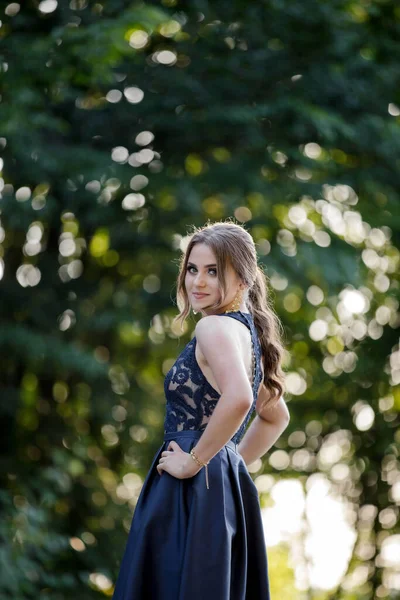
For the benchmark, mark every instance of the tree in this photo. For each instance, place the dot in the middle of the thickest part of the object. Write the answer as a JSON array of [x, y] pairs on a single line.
[[123, 123]]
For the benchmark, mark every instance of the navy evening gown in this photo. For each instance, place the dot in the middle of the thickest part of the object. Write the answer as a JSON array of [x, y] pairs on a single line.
[[187, 542]]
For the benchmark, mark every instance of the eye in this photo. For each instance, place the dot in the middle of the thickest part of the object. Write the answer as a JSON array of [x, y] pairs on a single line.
[[210, 269]]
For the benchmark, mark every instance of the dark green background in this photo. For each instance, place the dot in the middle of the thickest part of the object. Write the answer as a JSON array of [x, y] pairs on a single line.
[[234, 100]]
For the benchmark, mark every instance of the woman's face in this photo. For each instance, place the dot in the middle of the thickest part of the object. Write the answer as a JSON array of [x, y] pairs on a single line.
[[201, 276]]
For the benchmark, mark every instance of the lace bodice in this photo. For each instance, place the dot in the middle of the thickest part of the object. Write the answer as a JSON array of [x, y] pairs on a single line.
[[191, 399]]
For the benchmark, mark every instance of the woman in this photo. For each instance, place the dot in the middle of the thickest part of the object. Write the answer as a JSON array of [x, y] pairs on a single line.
[[198, 535]]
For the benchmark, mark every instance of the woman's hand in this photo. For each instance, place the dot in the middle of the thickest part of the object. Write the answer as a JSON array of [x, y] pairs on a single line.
[[177, 463]]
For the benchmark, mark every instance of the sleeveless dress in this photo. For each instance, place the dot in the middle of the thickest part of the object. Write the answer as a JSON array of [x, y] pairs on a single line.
[[187, 542]]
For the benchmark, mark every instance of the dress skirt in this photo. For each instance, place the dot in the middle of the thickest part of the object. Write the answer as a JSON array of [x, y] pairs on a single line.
[[187, 542]]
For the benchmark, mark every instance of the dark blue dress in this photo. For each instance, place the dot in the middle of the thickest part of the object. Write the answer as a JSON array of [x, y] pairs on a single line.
[[187, 542]]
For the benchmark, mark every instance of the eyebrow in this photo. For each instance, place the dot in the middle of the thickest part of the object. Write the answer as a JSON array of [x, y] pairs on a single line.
[[193, 265]]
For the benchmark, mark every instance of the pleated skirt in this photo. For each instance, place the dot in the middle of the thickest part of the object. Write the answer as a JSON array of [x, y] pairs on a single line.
[[187, 542]]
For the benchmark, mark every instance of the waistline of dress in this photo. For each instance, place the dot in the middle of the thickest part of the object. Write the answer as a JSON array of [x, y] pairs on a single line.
[[193, 434]]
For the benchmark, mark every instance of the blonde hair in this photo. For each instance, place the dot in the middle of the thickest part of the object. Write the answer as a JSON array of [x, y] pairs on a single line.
[[232, 244]]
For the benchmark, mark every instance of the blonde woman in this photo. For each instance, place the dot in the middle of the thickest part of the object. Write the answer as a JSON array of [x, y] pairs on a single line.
[[197, 532]]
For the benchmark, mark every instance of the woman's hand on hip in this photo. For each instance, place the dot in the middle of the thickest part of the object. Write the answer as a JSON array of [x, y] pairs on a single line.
[[177, 463]]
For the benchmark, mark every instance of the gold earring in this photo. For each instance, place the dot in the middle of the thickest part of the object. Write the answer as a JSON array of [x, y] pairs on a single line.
[[235, 306]]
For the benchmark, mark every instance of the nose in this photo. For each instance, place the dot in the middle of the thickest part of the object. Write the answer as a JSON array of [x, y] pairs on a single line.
[[198, 280]]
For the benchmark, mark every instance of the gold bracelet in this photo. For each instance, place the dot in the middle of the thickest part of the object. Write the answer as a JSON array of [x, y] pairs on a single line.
[[202, 464]]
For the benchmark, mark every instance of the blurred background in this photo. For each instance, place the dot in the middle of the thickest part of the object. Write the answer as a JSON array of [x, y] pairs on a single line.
[[121, 125]]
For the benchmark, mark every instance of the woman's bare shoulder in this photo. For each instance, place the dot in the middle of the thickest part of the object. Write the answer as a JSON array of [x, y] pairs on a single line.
[[218, 340], [218, 329]]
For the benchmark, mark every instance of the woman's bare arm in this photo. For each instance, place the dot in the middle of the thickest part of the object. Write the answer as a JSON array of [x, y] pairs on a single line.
[[219, 343]]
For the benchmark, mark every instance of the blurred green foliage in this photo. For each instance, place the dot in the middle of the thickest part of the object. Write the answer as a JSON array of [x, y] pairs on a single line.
[[123, 123]]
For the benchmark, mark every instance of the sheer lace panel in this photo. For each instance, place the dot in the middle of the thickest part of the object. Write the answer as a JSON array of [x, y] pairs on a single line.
[[191, 399]]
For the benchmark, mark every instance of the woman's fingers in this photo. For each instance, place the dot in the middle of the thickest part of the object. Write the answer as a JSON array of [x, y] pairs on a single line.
[[159, 466]]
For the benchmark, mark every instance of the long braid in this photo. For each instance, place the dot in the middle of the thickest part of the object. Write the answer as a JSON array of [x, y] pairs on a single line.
[[269, 329]]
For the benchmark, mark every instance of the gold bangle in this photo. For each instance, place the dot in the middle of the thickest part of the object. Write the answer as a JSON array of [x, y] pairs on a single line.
[[202, 464], [196, 458]]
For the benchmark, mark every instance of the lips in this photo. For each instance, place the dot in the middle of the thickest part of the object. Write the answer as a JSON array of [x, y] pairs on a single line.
[[199, 295]]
